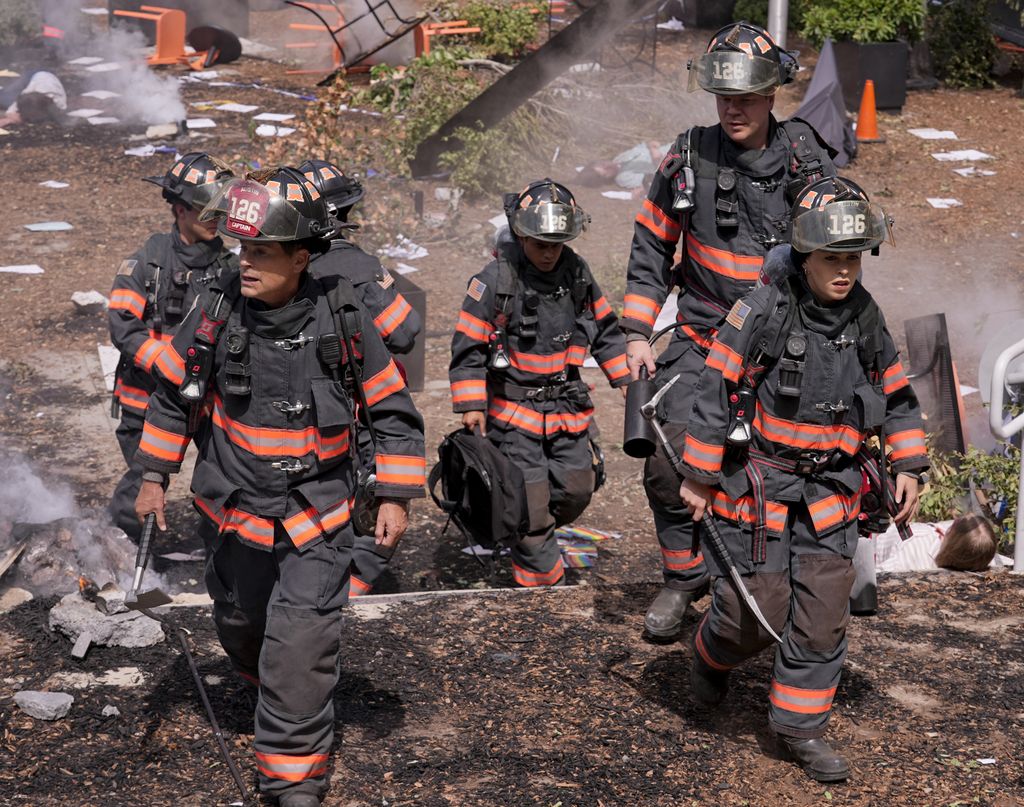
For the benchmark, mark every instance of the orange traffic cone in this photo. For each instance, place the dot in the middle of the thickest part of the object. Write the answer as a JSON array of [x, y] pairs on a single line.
[[867, 120]]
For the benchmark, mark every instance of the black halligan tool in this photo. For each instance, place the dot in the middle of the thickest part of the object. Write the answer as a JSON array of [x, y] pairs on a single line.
[[718, 548]]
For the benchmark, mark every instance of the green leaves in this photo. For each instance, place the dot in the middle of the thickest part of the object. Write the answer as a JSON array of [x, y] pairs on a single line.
[[863, 20]]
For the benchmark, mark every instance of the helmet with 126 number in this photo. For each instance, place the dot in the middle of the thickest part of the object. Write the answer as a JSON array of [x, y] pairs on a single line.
[[741, 58], [835, 214], [278, 204], [194, 179], [545, 210]]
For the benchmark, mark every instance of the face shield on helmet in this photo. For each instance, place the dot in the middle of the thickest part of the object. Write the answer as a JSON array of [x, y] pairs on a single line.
[[741, 58], [835, 215], [283, 207], [193, 180], [548, 212]]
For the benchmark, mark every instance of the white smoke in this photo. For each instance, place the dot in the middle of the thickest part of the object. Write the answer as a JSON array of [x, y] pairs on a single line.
[[26, 498]]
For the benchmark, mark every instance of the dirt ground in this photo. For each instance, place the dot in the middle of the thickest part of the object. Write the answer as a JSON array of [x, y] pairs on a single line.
[[564, 704]]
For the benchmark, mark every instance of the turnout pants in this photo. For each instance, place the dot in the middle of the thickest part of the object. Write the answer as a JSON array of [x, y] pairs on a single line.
[[803, 589], [559, 475], [278, 617], [682, 564], [122, 503]]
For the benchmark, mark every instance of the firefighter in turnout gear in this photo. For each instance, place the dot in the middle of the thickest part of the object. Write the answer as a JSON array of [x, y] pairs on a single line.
[[393, 317], [270, 361], [721, 196], [801, 373], [153, 291], [526, 323]]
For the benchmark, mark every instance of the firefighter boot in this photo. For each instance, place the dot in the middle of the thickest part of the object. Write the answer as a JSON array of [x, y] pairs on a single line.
[[298, 800], [665, 616], [707, 685], [817, 758]]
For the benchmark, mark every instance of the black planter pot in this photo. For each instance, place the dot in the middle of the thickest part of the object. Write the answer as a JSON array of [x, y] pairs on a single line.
[[885, 63]]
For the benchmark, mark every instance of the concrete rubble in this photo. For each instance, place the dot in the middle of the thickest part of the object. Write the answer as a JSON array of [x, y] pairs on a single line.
[[44, 705], [74, 616]]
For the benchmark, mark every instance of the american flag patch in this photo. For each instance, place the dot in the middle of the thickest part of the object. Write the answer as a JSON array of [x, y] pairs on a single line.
[[476, 289], [387, 281], [738, 315], [127, 267]]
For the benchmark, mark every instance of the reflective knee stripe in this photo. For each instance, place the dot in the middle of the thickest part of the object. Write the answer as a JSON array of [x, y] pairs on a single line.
[[527, 578], [802, 701], [702, 649], [252, 679], [679, 560], [291, 767]]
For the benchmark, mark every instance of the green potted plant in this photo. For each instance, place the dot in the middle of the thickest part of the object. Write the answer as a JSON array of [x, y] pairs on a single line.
[[871, 40]]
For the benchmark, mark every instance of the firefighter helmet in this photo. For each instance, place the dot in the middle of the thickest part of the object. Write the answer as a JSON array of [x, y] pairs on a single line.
[[545, 210], [339, 191], [278, 204], [194, 179], [741, 58], [835, 214]]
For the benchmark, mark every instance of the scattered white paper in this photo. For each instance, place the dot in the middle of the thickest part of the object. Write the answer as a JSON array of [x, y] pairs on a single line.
[[140, 151], [233, 107], [204, 75], [933, 134], [23, 269], [964, 154], [84, 113], [624, 195], [267, 130], [53, 183], [201, 123], [944, 204], [87, 60], [94, 10], [965, 390], [483, 551], [372, 112], [971, 171], [404, 249], [987, 761], [405, 269], [101, 95], [279, 117], [672, 25], [106, 67], [49, 226], [109, 358], [100, 120]]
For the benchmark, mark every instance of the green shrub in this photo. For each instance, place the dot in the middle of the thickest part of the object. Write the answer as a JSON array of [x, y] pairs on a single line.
[[863, 20], [757, 11], [505, 28], [960, 43], [20, 20]]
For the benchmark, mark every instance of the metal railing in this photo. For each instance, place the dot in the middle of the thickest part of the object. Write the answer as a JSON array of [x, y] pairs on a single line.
[[1003, 378]]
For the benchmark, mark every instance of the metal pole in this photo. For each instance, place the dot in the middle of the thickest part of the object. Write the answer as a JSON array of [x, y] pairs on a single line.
[[778, 20], [1018, 539]]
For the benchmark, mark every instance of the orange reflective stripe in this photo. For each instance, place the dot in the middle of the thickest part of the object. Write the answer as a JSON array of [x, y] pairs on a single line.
[[474, 328], [267, 442], [807, 435], [831, 510], [540, 363], [571, 422], [163, 445], [679, 560], [723, 262], [391, 317], [291, 767], [908, 443], [615, 368], [128, 300], [383, 384], [801, 701], [148, 353], [527, 578], [469, 390], [702, 649], [358, 588], [131, 397], [744, 511], [704, 341], [726, 360], [895, 378], [643, 309], [170, 365], [600, 308], [575, 355], [703, 456], [654, 219], [254, 529], [539, 423], [396, 469]]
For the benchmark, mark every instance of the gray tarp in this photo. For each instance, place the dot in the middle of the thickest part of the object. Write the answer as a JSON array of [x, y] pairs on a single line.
[[823, 107]]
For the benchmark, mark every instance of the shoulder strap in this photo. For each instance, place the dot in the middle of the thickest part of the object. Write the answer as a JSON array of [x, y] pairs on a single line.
[[806, 162], [347, 320], [505, 286], [782, 314], [581, 289], [869, 345]]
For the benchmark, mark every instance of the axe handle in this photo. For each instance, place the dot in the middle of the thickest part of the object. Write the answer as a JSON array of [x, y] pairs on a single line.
[[148, 528]]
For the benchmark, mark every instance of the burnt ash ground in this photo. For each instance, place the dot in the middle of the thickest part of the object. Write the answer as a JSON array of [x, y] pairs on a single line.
[[543, 698], [574, 708]]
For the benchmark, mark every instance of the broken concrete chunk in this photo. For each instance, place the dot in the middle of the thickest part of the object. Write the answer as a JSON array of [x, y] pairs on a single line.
[[110, 600], [89, 302], [110, 711], [44, 705], [73, 615], [82, 644]]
